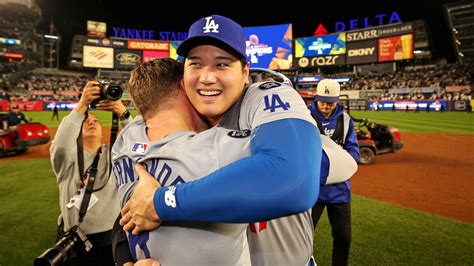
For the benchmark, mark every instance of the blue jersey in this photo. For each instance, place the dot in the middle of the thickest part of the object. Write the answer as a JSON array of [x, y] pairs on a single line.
[[339, 192]]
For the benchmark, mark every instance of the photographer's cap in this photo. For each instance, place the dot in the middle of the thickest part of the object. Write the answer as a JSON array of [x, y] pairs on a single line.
[[328, 90], [214, 30]]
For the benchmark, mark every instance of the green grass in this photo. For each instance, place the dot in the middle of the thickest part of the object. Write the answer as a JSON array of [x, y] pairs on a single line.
[[383, 234], [45, 117], [386, 234], [29, 210], [434, 122]]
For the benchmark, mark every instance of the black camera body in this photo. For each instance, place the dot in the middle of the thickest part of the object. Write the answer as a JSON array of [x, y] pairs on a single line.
[[74, 240], [108, 91]]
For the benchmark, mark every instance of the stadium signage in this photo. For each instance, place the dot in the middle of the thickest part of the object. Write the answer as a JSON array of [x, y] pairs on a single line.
[[361, 35], [381, 19], [321, 61], [128, 58], [142, 45], [138, 34], [362, 52]]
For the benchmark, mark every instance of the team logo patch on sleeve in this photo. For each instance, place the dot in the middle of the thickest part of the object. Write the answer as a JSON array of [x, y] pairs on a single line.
[[269, 85], [239, 134], [139, 147]]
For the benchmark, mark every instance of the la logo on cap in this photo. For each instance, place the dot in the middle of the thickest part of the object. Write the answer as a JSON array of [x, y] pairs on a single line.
[[211, 26], [326, 90]]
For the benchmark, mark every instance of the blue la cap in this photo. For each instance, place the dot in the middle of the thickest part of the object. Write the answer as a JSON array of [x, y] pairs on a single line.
[[214, 30]]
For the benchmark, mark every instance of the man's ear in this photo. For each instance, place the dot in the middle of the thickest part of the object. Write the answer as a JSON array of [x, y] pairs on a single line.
[[247, 74]]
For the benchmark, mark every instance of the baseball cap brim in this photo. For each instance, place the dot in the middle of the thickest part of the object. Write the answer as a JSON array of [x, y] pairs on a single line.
[[186, 46], [326, 99]]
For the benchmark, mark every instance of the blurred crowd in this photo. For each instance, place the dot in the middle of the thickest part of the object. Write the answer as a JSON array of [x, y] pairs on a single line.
[[56, 85]]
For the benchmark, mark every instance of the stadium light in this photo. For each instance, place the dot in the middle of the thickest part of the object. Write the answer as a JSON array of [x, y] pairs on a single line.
[[51, 36]]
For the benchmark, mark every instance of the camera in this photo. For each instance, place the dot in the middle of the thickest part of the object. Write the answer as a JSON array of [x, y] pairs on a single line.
[[74, 240], [108, 91]]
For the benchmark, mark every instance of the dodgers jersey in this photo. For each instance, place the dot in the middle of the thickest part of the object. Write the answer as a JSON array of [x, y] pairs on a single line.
[[287, 240], [179, 158]]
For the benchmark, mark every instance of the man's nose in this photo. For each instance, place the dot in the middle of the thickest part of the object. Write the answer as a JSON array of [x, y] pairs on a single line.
[[208, 76]]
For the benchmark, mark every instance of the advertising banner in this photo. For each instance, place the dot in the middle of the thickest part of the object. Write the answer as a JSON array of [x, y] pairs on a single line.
[[61, 105], [100, 57], [361, 52], [23, 105], [396, 48], [173, 48], [127, 59], [148, 45], [150, 55], [329, 60], [333, 44], [269, 46], [395, 29], [434, 105]]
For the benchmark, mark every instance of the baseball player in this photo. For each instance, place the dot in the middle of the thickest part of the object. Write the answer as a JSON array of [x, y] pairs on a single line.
[[280, 177], [164, 140]]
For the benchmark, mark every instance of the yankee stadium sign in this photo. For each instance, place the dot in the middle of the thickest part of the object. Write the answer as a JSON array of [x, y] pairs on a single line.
[[138, 34]]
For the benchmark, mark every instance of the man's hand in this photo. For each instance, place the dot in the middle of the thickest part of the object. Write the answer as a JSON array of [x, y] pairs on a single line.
[[139, 213], [90, 92], [116, 107]]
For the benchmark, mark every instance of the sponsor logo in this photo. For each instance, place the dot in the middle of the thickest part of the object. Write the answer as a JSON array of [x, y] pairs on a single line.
[[324, 60], [139, 147], [269, 85], [319, 45], [361, 52], [98, 54], [325, 124], [128, 58], [303, 62], [143, 45], [239, 134], [361, 35], [170, 198]]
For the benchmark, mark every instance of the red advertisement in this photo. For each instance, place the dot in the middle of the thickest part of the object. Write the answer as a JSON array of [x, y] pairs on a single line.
[[396, 48], [150, 55], [23, 105]]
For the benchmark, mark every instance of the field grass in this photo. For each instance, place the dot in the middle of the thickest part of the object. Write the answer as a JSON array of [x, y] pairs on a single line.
[[435, 122], [382, 233]]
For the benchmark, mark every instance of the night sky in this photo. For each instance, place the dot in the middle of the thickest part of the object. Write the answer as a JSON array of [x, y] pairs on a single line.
[[70, 16]]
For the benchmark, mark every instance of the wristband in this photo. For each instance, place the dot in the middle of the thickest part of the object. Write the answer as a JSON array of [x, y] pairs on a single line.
[[125, 115]]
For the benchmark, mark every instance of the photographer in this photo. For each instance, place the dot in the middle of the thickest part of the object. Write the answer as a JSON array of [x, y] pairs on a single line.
[[103, 205]]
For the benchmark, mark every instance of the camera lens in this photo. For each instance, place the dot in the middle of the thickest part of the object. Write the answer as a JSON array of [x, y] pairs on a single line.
[[113, 92]]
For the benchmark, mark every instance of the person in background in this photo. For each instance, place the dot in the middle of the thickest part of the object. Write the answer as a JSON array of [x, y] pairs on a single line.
[[103, 206], [15, 117], [336, 198], [55, 112]]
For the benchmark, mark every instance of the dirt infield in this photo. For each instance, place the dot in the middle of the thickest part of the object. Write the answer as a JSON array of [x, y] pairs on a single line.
[[433, 173]]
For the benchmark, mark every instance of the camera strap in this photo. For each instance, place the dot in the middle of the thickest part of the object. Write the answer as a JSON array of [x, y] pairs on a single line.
[[89, 188], [113, 135]]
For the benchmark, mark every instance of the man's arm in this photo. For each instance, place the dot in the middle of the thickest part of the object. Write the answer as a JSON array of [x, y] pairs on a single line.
[[280, 178], [351, 145]]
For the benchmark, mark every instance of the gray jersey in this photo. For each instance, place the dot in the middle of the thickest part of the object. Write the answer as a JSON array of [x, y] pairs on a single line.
[[287, 240], [178, 158]]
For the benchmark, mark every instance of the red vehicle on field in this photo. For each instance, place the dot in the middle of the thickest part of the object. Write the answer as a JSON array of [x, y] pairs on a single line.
[[376, 139], [16, 140]]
